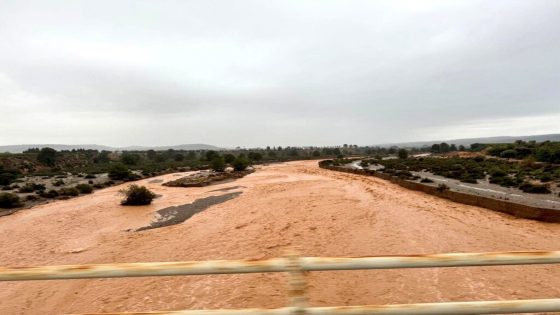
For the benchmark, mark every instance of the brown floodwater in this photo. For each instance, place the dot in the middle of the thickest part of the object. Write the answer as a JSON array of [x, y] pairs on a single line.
[[321, 212]]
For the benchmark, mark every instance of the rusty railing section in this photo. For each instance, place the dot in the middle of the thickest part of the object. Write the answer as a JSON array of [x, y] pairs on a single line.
[[296, 267]]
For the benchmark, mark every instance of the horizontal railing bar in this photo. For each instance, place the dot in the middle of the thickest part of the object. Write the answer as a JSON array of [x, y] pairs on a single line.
[[429, 261], [446, 308], [275, 265]]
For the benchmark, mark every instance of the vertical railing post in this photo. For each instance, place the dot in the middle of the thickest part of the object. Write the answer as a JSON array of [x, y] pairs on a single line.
[[296, 283]]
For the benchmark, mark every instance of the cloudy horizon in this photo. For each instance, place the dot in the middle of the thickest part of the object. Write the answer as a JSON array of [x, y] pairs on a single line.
[[254, 73]]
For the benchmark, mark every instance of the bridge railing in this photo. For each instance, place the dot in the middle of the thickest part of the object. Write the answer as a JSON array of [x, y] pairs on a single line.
[[296, 267]]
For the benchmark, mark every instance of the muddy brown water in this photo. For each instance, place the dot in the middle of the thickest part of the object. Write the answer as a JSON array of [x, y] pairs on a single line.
[[323, 213]]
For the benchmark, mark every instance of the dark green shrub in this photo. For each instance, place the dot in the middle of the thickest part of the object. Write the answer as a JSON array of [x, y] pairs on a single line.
[[119, 172], [255, 156], [58, 182], [137, 195], [229, 158], [426, 180], [130, 158], [69, 191], [90, 176], [49, 194], [47, 156], [84, 188], [402, 154], [534, 188], [240, 163], [210, 155], [9, 200], [7, 176], [31, 198], [218, 164], [509, 154], [27, 188]]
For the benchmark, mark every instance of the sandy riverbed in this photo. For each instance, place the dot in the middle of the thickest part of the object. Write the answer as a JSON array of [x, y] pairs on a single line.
[[294, 204]]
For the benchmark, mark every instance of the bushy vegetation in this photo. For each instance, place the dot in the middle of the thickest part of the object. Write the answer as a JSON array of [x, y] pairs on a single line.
[[137, 195], [31, 187], [542, 152], [8, 176], [47, 156], [84, 188], [534, 188], [470, 170], [218, 164], [119, 171], [402, 153], [9, 200], [49, 194], [240, 163], [69, 191]]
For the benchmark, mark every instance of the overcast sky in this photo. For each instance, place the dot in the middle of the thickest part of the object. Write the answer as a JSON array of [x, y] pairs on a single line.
[[257, 73]]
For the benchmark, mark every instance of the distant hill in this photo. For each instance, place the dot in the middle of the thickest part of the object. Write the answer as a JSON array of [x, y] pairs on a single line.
[[468, 141], [22, 147]]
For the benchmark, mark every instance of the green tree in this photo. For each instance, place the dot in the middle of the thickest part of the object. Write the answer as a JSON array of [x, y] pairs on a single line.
[[119, 171], [210, 155], [229, 158], [435, 148], [255, 156], [47, 156], [191, 155], [403, 153], [130, 158], [240, 163], [102, 158], [218, 164], [151, 154]]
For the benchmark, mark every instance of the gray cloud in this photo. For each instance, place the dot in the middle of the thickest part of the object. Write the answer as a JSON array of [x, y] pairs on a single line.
[[255, 73]]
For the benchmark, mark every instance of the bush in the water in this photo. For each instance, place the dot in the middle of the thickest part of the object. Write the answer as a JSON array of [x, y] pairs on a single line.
[[137, 195], [9, 200]]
